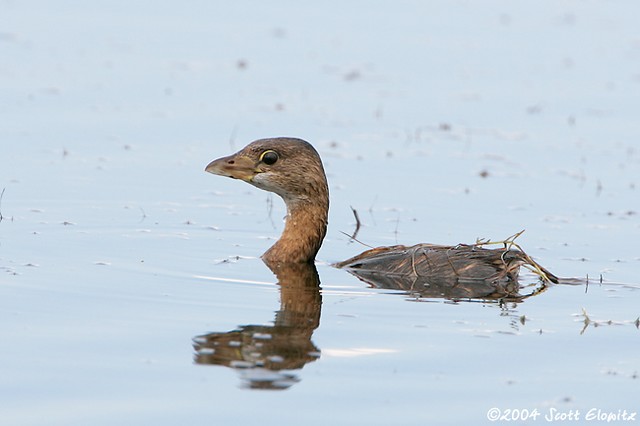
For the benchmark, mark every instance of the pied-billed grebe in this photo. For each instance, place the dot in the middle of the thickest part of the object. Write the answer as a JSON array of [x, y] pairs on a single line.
[[293, 169]]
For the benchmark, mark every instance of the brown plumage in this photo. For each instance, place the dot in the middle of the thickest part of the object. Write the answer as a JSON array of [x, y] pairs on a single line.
[[293, 169], [453, 272]]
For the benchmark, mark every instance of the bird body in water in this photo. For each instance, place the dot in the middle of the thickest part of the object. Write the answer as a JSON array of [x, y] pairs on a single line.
[[292, 169]]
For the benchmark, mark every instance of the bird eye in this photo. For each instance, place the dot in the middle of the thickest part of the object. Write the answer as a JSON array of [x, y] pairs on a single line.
[[269, 157]]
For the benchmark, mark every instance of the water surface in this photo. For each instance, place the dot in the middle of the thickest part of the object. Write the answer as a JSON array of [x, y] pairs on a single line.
[[437, 122]]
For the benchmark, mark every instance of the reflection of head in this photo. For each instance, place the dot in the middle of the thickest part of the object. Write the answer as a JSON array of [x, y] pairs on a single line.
[[263, 353]]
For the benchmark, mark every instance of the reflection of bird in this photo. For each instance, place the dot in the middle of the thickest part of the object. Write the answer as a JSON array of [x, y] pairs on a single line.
[[269, 355], [292, 169]]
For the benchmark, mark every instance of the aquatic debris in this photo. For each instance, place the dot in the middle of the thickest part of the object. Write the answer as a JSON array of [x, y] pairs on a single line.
[[597, 323], [358, 223], [8, 270], [530, 264], [352, 75], [230, 259], [144, 215], [1, 196]]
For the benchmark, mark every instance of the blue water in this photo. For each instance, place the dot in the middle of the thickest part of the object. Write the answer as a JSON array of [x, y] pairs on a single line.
[[438, 122]]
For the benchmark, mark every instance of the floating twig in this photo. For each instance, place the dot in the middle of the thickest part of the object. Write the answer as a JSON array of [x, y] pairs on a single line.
[[144, 215], [356, 240], [395, 232], [358, 224], [508, 244], [1, 195], [588, 321], [270, 210]]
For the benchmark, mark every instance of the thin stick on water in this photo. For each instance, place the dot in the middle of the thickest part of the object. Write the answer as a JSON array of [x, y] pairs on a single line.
[[587, 321], [356, 240], [270, 210], [1, 195], [144, 215], [358, 223]]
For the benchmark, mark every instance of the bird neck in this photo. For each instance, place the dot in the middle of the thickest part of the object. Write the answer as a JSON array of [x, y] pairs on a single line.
[[304, 230]]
